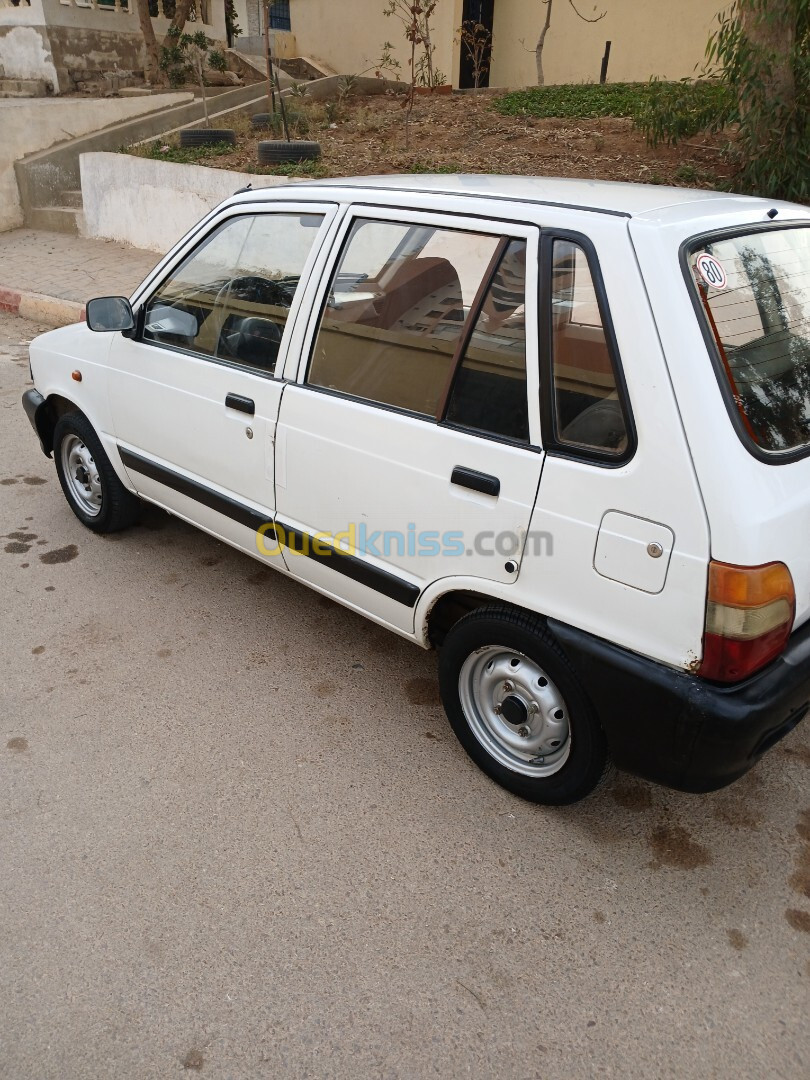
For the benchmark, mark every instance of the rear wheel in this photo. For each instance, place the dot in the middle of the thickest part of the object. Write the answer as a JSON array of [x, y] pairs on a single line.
[[90, 484], [517, 708]]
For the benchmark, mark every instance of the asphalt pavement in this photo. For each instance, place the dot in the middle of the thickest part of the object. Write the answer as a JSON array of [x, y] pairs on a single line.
[[239, 839]]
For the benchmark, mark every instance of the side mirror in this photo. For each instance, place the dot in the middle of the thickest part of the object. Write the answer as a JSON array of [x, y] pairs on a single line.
[[110, 313]]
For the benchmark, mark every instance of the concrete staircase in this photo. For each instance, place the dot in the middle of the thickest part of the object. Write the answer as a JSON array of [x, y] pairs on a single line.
[[50, 183]]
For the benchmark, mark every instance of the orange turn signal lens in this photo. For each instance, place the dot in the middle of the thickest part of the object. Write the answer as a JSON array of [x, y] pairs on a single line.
[[749, 586]]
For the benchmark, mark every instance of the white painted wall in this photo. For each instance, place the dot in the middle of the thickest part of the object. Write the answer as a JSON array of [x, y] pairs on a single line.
[[151, 204], [31, 124], [24, 54]]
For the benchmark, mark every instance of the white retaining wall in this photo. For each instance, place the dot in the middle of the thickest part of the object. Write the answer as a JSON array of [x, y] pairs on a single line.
[[151, 204], [31, 124]]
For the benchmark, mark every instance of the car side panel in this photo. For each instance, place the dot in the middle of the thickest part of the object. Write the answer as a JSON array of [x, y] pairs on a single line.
[[657, 485]]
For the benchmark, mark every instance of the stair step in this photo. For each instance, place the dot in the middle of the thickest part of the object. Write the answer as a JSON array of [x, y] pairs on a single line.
[[64, 219], [23, 88], [71, 199]]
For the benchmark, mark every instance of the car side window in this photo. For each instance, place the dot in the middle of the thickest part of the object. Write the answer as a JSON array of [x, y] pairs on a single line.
[[230, 298], [396, 310], [489, 389], [588, 411]]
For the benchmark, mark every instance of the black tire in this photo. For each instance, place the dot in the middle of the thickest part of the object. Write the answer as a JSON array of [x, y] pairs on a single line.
[[276, 151], [264, 120], [118, 508], [484, 641], [205, 136]]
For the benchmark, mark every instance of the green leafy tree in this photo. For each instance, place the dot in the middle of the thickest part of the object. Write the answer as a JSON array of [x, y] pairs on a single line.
[[759, 56]]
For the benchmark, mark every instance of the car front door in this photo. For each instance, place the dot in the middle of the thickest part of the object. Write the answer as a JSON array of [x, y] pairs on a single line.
[[195, 391], [411, 441]]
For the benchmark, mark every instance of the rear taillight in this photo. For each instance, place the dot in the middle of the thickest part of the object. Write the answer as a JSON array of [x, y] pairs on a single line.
[[749, 616]]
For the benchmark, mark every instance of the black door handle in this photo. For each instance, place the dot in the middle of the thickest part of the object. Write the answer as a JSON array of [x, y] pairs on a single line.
[[241, 404], [478, 481]]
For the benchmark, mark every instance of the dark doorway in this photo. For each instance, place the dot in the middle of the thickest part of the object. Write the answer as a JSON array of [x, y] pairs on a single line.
[[475, 11]]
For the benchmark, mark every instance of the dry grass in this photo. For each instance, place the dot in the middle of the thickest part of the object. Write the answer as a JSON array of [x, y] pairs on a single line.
[[463, 133]]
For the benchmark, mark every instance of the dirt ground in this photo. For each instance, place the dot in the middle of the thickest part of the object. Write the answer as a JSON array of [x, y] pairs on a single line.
[[464, 133]]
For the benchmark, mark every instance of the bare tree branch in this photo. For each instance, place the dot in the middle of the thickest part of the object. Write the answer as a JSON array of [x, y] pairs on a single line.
[[538, 49], [585, 17]]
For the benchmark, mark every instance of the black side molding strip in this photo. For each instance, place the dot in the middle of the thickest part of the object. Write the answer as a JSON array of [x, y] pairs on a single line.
[[403, 592], [223, 504], [350, 566], [476, 481]]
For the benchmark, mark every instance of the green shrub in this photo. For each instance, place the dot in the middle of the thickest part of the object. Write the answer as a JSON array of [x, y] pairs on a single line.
[[671, 111], [580, 102], [217, 61]]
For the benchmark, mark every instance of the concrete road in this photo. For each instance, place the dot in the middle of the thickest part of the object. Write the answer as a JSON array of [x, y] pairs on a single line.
[[239, 838]]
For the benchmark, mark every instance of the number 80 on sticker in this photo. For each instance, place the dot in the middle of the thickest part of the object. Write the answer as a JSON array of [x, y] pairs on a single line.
[[711, 271]]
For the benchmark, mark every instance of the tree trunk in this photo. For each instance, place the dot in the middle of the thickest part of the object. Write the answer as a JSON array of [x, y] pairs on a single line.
[[770, 26], [428, 47], [538, 52], [152, 70], [181, 13]]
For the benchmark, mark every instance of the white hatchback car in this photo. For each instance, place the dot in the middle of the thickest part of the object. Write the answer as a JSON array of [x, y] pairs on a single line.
[[559, 429]]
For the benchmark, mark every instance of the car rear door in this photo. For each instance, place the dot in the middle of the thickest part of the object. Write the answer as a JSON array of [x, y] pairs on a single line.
[[411, 440]]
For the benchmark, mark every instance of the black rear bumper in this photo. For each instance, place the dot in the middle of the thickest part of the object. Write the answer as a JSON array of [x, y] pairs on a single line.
[[678, 729]]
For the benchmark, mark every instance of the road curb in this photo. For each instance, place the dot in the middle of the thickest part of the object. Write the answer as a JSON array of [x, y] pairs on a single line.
[[51, 310]]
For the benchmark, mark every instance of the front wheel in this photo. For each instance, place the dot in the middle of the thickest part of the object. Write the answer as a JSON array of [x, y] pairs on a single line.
[[517, 708], [89, 482]]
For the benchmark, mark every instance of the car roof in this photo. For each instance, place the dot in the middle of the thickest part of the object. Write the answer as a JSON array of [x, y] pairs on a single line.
[[602, 196]]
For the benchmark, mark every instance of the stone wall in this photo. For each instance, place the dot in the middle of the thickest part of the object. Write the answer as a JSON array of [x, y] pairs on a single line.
[[65, 43]]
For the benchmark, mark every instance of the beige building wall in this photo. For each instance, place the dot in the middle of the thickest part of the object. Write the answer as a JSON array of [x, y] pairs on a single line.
[[666, 38], [349, 35]]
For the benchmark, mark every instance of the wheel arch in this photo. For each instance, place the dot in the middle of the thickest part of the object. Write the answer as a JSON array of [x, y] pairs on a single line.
[[48, 414], [451, 606]]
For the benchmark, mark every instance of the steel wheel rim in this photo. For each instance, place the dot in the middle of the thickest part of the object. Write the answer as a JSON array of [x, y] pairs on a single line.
[[515, 711], [81, 475]]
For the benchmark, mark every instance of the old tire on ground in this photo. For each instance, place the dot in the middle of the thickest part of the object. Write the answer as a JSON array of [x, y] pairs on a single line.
[[276, 151], [206, 136], [518, 709], [89, 482], [263, 120]]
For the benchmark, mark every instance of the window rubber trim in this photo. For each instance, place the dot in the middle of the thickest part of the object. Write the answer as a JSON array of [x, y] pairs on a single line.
[[733, 408], [554, 446]]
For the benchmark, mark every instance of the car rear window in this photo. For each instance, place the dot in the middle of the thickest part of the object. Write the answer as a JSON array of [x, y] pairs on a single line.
[[754, 289]]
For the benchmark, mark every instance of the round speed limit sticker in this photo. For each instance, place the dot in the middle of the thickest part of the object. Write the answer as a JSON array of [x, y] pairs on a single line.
[[711, 271]]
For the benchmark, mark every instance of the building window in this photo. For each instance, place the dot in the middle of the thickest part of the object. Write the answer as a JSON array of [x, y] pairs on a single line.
[[280, 15]]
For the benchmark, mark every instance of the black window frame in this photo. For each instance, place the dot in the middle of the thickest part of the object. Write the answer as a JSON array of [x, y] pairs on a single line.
[[137, 334], [687, 249], [472, 318], [279, 15], [554, 446]]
